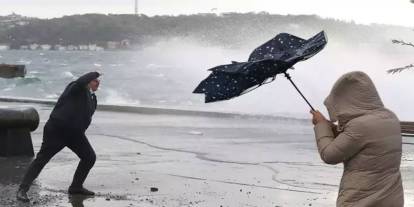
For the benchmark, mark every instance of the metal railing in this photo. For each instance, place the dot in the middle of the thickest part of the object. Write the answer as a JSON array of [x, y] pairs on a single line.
[[407, 128]]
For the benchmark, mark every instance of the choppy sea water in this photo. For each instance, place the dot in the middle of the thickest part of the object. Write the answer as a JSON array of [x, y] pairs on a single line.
[[165, 74], [129, 78], [154, 76]]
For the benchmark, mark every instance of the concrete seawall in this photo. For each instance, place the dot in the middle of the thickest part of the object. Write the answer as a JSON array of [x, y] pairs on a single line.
[[157, 110], [407, 128]]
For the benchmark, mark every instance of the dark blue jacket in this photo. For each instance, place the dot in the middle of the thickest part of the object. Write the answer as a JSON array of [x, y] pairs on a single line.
[[76, 105]]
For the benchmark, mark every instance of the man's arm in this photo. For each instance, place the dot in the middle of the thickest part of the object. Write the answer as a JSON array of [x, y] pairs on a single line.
[[83, 81], [88, 77]]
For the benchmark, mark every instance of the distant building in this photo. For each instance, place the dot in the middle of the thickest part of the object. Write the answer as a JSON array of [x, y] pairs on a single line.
[[13, 20], [92, 47], [24, 47], [72, 47], [112, 45], [126, 43], [59, 47], [4, 47], [99, 48], [34, 46], [83, 47], [14, 17], [45, 47]]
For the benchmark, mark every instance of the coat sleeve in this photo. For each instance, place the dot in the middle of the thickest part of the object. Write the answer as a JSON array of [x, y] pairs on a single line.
[[83, 81], [334, 150]]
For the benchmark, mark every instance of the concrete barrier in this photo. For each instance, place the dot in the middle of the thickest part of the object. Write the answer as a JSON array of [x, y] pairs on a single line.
[[15, 126], [160, 110]]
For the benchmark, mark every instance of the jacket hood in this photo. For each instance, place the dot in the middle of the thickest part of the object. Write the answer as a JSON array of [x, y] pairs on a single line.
[[352, 95]]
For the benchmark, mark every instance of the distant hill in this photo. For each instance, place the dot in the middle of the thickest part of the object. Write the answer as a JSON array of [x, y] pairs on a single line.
[[229, 29]]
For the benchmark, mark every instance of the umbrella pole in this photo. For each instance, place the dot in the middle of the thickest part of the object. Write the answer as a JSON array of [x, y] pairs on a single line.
[[290, 79]]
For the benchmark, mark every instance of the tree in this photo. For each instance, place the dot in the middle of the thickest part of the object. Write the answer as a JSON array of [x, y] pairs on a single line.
[[397, 70], [401, 42]]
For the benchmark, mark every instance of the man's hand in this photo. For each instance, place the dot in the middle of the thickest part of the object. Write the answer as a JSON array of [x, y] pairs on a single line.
[[317, 117]]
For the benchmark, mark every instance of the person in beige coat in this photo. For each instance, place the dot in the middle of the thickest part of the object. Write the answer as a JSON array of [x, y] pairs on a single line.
[[367, 140]]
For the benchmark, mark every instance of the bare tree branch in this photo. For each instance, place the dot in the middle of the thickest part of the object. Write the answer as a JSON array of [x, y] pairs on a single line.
[[398, 70], [402, 42]]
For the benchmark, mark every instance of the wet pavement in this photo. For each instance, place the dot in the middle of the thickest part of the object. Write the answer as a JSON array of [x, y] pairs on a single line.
[[178, 160]]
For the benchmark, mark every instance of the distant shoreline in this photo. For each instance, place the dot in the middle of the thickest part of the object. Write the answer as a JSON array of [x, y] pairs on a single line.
[[99, 31]]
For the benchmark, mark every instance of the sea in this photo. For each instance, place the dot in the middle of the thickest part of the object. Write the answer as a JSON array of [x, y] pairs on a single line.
[[165, 73]]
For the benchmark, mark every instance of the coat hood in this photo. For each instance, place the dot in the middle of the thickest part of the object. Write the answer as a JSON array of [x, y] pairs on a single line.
[[353, 95]]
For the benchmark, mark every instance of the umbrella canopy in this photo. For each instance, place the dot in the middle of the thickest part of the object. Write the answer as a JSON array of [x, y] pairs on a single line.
[[265, 62]]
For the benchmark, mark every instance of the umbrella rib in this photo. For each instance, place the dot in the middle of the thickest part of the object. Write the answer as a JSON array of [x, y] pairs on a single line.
[[251, 89], [294, 85]]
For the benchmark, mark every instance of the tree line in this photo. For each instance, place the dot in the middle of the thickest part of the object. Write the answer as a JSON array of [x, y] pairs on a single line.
[[229, 29]]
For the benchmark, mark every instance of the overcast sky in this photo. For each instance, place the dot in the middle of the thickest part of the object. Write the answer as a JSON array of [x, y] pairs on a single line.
[[398, 12]]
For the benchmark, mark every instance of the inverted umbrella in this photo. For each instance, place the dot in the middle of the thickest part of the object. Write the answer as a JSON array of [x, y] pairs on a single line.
[[265, 62]]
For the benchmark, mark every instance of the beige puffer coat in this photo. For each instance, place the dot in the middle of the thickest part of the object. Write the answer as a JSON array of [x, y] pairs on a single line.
[[368, 142]]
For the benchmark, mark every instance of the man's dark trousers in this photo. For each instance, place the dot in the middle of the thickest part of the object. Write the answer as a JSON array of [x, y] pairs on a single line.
[[55, 138]]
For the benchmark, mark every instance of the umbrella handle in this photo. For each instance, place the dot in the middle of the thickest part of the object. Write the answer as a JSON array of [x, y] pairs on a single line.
[[294, 85]]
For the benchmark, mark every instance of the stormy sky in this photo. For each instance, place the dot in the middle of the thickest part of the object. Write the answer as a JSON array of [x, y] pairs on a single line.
[[398, 12]]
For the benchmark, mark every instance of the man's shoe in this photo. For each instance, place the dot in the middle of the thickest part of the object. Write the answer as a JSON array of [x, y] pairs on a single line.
[[80, 191], [22, 195]]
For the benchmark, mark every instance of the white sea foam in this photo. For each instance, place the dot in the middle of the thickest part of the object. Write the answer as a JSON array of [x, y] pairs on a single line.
[[52, 96], [114, 97], [68, 74], [116, 65], [195, 133], [24, 62], [170, 78], [158, 66]]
